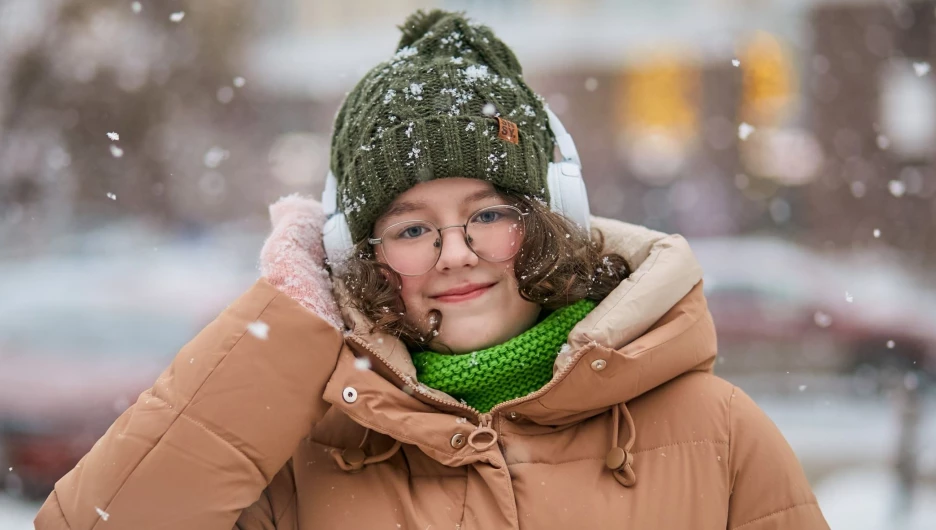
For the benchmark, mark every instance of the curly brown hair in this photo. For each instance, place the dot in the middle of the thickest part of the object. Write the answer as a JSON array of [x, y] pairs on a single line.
[[557, 264]]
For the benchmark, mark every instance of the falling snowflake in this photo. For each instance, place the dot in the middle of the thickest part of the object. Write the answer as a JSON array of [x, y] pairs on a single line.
[[591, 84], [877, 233], [745, 130], [259, 329], [802, 388], [848, 297], [225, 94], [921, 68], [362, 363], [112, 196], [116, 152], [897, 188], [890, 345], [177, 16], [113, 136], [883, 142], [823, 320], [104, 515], [239, 82], [137, 7], [214, 156], [858, 188], [489, 109], [736, 63]]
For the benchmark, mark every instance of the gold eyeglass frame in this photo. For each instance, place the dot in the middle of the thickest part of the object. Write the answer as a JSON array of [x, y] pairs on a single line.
[[464, 227]]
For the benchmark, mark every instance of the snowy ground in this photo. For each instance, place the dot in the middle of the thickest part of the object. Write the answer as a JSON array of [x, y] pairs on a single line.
[[868, 499], [16, 514], [846, 445]]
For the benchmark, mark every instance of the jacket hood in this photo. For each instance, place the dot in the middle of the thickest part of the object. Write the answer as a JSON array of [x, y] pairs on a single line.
[[652, 328]]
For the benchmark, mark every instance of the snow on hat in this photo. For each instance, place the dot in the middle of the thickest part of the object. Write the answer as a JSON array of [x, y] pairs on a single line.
[[450, 103]]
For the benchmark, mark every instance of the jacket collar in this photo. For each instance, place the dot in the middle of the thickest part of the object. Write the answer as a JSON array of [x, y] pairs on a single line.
[[652, 328]]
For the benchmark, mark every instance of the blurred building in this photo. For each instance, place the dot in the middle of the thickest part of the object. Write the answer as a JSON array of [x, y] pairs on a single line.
[[873, 101]]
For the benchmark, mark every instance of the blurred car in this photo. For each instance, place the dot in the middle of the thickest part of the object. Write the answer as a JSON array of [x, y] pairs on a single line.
[[780, 306], [82, 335], [67, 373]]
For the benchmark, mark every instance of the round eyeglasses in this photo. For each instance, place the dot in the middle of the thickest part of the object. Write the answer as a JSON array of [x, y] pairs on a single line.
[[413, 248]]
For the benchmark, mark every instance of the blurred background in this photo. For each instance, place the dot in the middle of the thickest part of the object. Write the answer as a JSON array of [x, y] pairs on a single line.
[[791, 141]]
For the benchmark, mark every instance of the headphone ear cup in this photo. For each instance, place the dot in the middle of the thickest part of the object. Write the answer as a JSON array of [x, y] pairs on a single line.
[[552, 182], [567, 193], [336, 238]]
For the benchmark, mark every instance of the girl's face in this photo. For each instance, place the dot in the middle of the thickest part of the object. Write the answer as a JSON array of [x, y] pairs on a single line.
[[492, 312]]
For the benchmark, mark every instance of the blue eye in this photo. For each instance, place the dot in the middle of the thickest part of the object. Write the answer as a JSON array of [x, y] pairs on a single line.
[[412, 232], [488, 216]]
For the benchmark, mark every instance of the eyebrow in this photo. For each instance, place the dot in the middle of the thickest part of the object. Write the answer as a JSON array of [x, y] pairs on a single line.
[[413, 206]]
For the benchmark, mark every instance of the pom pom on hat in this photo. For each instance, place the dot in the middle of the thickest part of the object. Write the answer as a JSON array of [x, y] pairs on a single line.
[[418, 24]]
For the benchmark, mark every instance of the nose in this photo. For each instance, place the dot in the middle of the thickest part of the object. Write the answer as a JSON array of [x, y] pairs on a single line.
[[455, 250]]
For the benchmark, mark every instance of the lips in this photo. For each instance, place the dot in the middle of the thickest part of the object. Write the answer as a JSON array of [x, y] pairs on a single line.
[[463, 292]]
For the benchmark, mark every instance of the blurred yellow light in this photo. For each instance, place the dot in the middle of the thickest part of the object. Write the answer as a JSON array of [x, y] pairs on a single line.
[[769, 82], [660, 94]]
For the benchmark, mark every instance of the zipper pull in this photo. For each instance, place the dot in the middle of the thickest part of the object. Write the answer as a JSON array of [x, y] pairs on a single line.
[[485, 420], [484, 430]]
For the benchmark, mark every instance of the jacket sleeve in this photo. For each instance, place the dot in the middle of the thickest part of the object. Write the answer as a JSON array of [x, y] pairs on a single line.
[[203, 443], [769, 490], [276, 509]]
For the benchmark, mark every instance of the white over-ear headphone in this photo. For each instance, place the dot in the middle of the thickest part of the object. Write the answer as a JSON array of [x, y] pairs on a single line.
[[567, 196]]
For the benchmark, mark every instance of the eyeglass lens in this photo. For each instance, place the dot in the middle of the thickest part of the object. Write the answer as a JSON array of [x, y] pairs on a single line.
[[413, 247]]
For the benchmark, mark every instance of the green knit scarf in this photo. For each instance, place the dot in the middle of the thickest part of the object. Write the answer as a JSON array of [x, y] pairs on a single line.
[[522, 365]]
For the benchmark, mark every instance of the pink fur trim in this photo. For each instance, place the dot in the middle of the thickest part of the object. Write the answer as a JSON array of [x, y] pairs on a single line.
[[293, 258]]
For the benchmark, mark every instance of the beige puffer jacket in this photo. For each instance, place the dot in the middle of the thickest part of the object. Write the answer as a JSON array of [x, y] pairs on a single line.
[[311, 429]]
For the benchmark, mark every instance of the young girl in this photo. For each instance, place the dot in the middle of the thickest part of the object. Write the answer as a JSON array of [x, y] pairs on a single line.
[[494, 363]]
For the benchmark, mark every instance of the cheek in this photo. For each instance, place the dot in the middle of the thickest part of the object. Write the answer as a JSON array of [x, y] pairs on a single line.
[[410, 286], [412, 292]]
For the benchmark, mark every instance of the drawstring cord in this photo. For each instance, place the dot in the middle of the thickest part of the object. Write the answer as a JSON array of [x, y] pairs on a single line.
[[620, 460], [354, 459]]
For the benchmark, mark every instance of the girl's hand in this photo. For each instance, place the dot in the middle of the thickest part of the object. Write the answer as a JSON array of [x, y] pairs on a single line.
[[293, 257]]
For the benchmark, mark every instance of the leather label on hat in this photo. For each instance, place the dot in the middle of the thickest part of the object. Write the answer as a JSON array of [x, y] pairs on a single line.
[[508, 131]]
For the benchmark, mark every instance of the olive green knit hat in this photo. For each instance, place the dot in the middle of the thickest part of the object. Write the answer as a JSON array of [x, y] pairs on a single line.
[[450, 103]]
